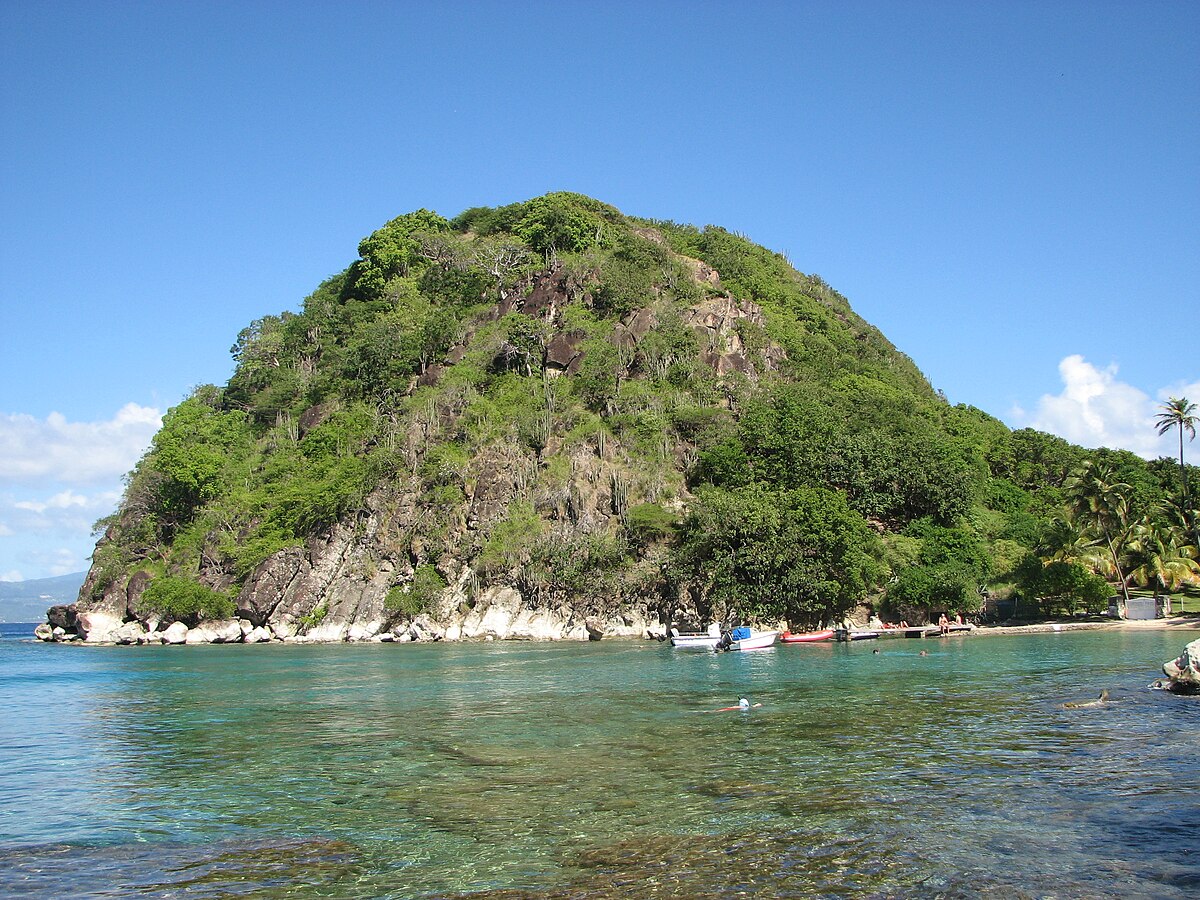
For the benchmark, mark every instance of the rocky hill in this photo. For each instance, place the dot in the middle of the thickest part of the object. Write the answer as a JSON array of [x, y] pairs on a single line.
[[551, 420], [26, 601]]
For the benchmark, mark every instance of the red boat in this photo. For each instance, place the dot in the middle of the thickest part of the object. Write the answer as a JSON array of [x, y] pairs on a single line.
[[807, 637]]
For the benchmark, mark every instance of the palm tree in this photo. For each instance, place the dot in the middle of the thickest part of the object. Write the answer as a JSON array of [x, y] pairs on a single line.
[[1160, 556], [1100, 503], [1069, 540], [1177, 412]]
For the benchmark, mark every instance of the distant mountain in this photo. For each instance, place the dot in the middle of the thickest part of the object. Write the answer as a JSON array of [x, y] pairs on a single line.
[[27, 601]]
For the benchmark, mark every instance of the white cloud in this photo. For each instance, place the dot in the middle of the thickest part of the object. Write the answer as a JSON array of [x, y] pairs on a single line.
[[1181, 389], [54, 449], [62, 500], [1096, 409], [64, 561], [56, 481], [64, 511]]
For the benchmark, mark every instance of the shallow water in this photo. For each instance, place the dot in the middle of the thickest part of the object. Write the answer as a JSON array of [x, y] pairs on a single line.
[[598, 770]]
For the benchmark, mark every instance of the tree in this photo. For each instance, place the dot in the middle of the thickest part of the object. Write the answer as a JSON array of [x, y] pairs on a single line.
[[1099, 502], [393, 250], [183, 600], [801, 555], [950, 566], [1062, 586], [1179, 413], [1160, 556], [1066, 540], [194, 448]]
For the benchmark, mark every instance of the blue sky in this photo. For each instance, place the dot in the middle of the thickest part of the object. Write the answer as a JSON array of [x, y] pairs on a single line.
[[1010, 191]]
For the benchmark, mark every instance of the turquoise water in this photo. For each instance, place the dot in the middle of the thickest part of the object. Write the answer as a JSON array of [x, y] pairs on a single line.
[[598, 770]]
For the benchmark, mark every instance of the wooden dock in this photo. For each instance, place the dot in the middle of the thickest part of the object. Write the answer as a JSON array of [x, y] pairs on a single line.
[[925, 631]]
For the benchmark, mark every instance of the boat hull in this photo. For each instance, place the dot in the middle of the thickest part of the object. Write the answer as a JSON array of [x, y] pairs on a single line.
[[807, 637], [694, 641], [759, 641]]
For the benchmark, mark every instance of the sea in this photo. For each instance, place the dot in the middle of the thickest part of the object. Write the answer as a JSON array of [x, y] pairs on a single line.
[[599, 770]]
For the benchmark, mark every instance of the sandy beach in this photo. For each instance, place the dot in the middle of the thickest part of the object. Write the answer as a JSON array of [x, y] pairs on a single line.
[[1172, 623]]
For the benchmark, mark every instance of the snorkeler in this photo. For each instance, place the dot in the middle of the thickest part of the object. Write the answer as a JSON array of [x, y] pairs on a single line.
[[742, 706]]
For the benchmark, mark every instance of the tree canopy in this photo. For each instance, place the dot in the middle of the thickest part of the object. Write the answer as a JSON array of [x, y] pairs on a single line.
[[560, 397]]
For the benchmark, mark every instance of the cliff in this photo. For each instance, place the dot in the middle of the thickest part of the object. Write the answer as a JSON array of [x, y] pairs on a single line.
[[546, 421]]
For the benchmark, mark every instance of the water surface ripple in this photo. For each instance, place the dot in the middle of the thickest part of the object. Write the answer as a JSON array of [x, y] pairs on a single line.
[[598, 770]]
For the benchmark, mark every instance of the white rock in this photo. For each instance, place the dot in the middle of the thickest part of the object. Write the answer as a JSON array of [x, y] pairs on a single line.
[[258, 635], [45, 633], [131, 633], [226, 631], [493, 614], [175, 633], [537, 625], [99, 627], [361, 632], [331, 632], [282, 630]]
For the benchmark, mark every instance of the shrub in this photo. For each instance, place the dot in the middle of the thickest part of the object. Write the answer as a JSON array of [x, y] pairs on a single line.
[[182, 600], [414, 598], [649, 522], [314, 618], [1063, 587]]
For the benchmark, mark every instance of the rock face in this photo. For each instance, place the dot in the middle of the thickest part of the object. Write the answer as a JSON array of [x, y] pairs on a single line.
[[100, 627], [336, 586], [1184, 672]]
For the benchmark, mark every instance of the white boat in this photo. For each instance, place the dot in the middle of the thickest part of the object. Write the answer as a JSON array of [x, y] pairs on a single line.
[[758, 640], [696, 640]]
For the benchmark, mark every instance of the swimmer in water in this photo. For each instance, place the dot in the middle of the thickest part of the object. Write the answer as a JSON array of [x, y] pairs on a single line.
[[743, 705], [1088, 704]]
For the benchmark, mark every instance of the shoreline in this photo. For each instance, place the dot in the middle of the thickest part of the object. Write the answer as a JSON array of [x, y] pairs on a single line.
[[1173, 623]]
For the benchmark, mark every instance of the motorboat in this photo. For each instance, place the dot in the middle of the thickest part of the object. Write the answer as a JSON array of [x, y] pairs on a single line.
[[696, 640], [744, 638]]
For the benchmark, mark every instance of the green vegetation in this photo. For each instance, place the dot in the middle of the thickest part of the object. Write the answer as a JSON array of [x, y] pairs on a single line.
[[414, 598], [178, 599], [314, 618], [599, 409]]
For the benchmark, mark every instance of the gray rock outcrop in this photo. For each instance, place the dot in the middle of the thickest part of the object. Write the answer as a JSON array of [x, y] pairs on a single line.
[[336, 586], [1183, 673]]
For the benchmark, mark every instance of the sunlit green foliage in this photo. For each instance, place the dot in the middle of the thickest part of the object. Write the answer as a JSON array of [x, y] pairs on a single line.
[[435, 362], [951, 566], [414, 598], [182, 600], [801, 555]]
